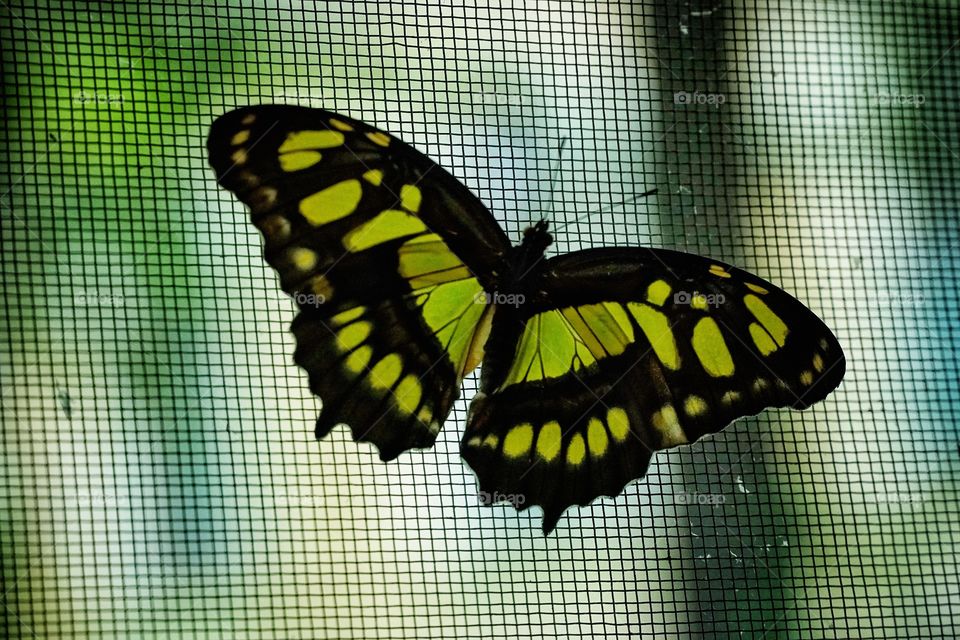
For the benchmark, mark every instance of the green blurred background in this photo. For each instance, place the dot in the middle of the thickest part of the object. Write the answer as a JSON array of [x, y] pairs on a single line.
[[160, 476]]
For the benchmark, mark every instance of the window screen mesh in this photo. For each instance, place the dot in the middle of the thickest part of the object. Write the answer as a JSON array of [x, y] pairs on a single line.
[[160, 474]]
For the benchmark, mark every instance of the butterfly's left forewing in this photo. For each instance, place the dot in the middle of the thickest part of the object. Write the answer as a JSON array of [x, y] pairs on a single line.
[[384, 252], [630, 351]]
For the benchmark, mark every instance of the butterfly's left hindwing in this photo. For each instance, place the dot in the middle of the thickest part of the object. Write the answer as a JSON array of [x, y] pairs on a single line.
[[386, 255], [628, 351]]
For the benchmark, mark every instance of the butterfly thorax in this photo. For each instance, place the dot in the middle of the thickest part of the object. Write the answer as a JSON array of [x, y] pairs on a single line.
[[527, 259]]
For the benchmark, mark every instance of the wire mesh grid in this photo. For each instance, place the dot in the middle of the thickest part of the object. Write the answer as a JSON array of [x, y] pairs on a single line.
[[160, 475]]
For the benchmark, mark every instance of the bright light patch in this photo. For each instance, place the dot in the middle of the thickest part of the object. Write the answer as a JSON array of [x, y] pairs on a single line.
[[304, 140], [762, 339], [385, 226], [518, 440], [374, 177], [299, 160], [549, 441], [408, 394], [359, 359], [657, 292], [379, 138], [619, 423], [711, 349], [386, 372], [668, 424], [576, 450], [597, 439], [410, 197], [340, 125], [695, 406], [332, 203], [302, 258], [353, 335], [776, 327], [656, 326]]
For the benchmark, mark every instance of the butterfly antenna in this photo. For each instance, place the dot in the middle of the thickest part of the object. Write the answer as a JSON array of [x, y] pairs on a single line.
[[609, 207], [554, 179]]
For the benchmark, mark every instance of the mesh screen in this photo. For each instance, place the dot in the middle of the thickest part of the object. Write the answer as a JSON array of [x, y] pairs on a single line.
[[160, 475]]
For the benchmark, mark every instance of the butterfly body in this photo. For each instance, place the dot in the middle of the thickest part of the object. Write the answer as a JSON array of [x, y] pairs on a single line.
[[531, 252], [591, 361]]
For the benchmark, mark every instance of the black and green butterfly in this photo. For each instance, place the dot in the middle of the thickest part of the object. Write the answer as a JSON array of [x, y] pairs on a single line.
[[591, 360]]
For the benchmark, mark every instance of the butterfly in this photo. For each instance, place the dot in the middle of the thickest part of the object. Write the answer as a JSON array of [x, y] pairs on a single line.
[[591, 361]]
